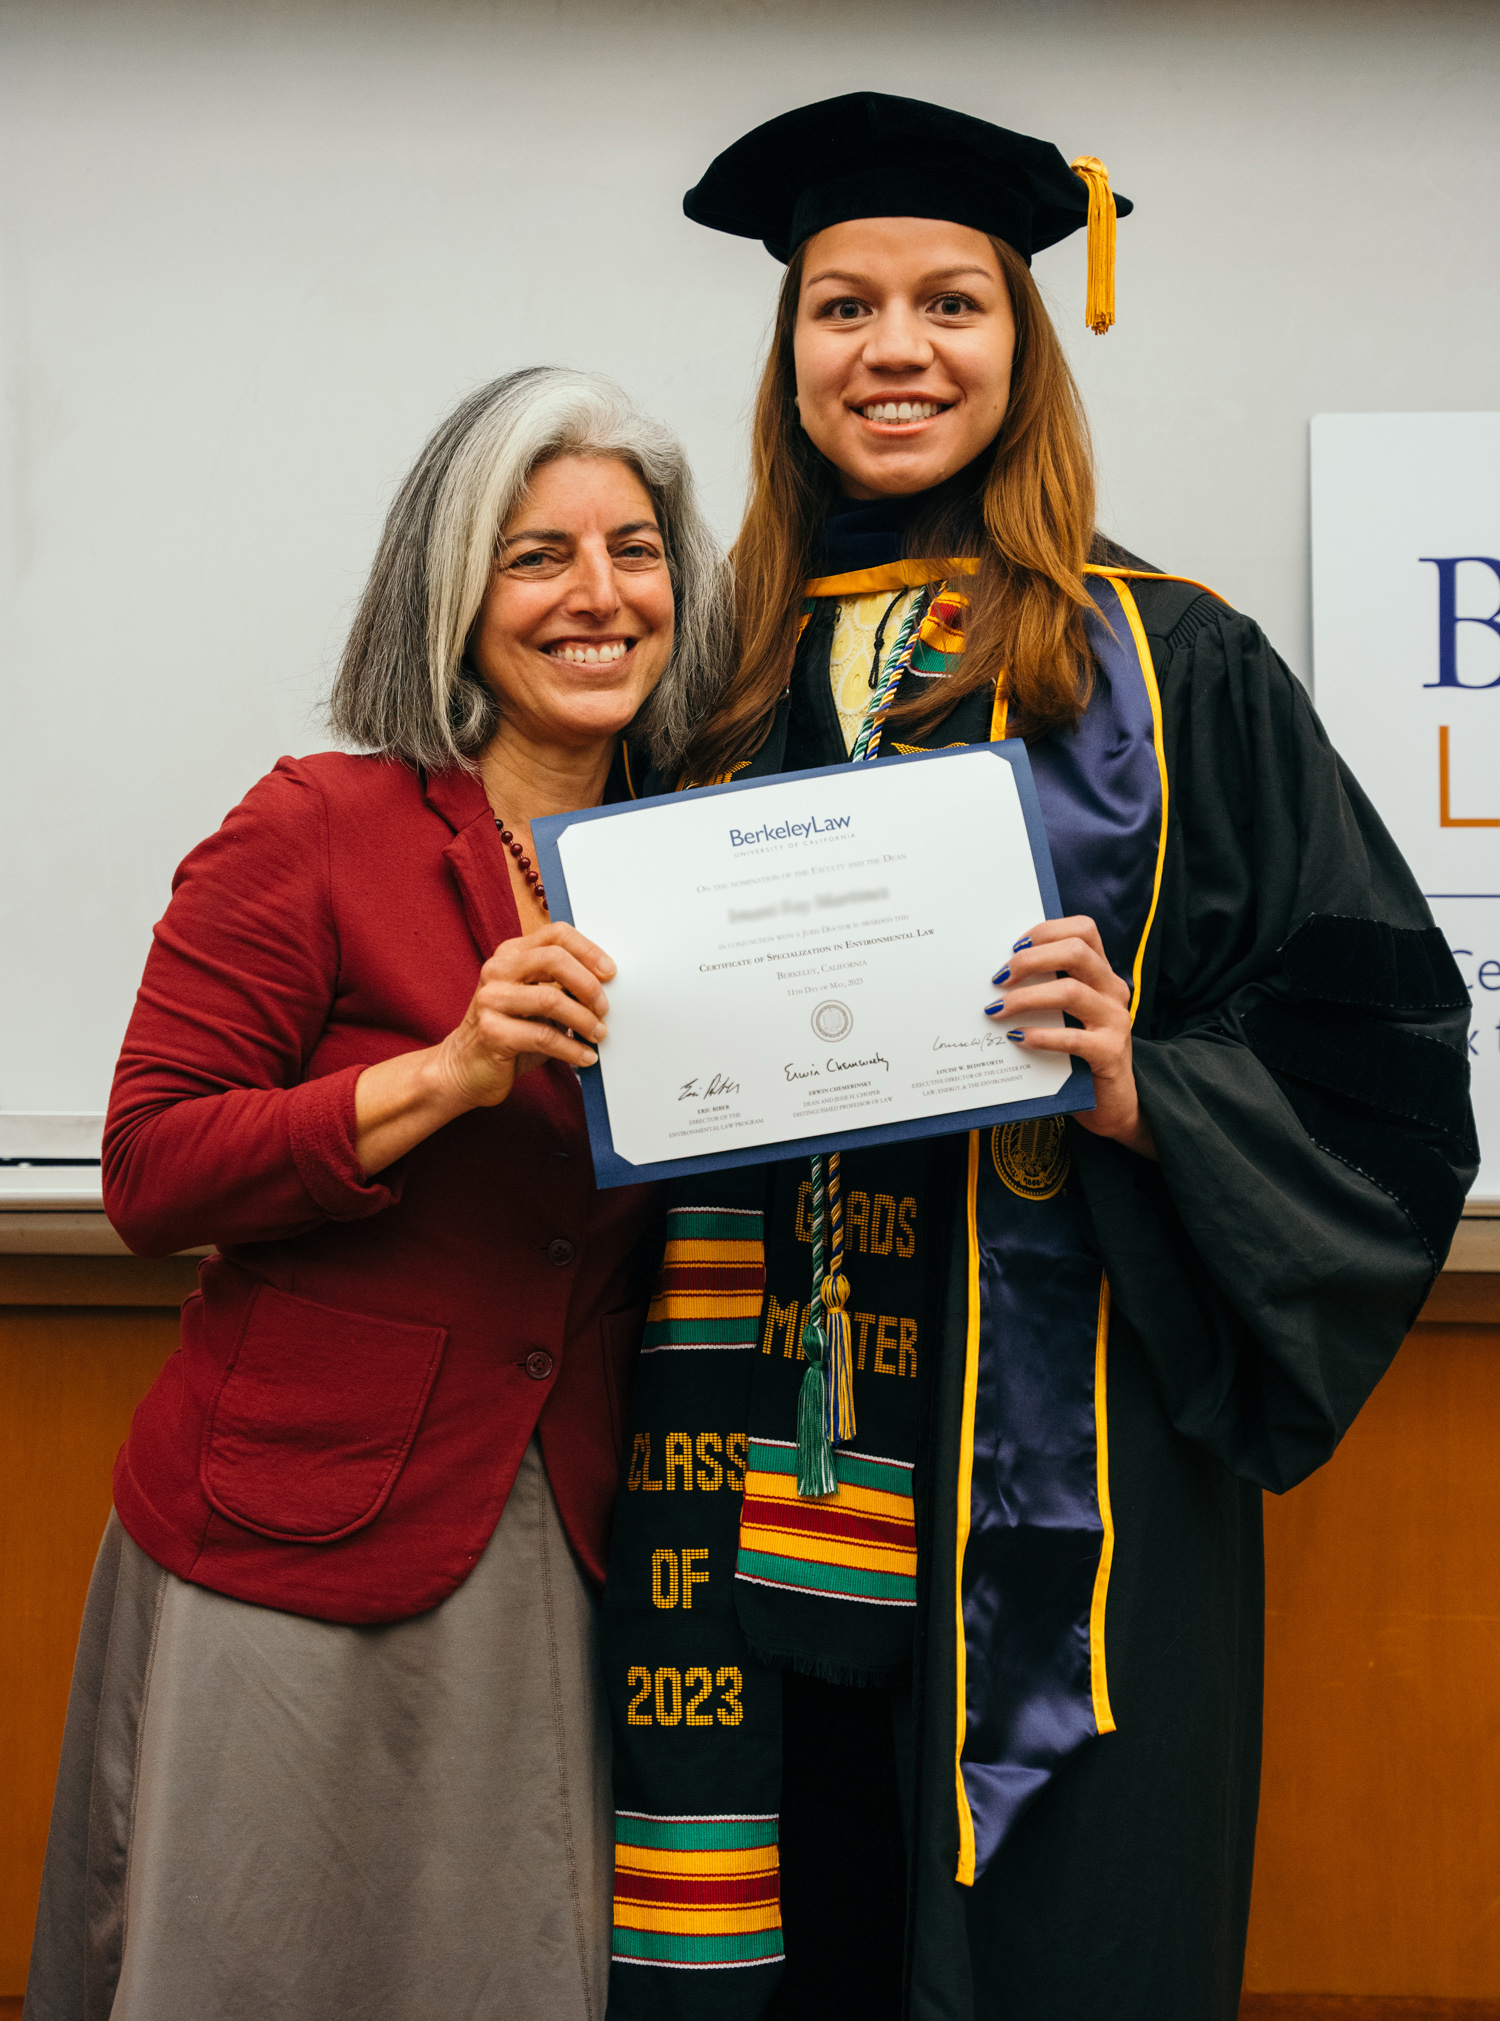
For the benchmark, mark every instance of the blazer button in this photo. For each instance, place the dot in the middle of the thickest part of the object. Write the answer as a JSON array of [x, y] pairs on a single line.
[[561, 1252], [538, 1364]]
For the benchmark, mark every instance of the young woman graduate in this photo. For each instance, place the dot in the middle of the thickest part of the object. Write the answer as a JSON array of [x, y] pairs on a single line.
[[934, 1623]]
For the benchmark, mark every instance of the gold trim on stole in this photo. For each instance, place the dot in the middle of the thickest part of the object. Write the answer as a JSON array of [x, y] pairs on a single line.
[[1098, 1669]]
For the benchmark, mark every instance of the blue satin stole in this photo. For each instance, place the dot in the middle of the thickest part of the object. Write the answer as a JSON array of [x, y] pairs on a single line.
[[1034, 1558]]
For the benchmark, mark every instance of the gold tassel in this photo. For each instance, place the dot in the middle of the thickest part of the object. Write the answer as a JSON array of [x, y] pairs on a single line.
[[1100, 313], [838, 1367]]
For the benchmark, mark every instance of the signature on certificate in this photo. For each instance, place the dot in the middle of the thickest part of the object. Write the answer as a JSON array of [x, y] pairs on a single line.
[[795, 1072], [718, 1084]]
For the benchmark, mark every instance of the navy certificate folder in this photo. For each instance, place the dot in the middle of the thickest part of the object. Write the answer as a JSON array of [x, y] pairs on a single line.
[[611, 1169]]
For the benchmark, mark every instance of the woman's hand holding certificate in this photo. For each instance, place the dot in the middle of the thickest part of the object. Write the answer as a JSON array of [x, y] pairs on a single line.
[[804, 962]]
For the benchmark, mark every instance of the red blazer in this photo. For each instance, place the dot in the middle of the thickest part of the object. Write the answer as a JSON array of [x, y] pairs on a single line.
[[366, 1360]]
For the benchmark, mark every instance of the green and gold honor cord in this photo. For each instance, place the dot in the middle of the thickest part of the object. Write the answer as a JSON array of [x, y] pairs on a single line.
[[825, 1402]]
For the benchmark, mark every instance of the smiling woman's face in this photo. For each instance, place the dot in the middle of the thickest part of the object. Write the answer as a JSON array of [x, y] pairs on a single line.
[[903, 346], [576, 627]]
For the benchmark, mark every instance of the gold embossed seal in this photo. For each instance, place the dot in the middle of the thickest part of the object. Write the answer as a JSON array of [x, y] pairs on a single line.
[[1032, 1157]]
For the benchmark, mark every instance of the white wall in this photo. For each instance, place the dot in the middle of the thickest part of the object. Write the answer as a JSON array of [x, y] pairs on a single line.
[[249, 254]]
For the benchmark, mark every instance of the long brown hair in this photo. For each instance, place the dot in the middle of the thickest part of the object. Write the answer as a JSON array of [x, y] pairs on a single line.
[[1025, 508]]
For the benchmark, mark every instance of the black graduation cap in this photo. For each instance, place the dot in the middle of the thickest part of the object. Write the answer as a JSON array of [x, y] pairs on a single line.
[[869, 155]]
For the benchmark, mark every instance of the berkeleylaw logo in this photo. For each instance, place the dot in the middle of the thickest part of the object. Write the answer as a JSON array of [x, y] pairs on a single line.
[[788, 831]]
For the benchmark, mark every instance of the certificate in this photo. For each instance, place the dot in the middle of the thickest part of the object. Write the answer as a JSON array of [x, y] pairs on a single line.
[[804, 961]]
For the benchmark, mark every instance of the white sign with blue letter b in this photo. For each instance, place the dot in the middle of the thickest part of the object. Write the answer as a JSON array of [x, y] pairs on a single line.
[[1406, 663]]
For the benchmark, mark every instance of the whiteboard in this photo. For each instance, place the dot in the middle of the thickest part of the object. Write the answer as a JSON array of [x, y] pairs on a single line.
[[250, 254]]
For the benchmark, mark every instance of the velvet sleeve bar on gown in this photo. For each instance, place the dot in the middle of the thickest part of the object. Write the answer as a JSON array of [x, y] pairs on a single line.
[[1301, 1054]]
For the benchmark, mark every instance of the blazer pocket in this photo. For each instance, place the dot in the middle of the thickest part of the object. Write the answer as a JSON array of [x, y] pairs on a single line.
[[315, 1416]]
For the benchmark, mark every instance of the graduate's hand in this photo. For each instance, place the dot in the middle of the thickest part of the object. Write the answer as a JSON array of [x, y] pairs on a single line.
[[1061, 966], [540, 997]]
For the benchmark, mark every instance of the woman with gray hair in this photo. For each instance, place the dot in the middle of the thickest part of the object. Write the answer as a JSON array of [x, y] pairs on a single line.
[[335, 1744]]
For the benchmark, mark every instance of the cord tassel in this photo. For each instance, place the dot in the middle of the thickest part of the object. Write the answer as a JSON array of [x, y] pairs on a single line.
[[825, 1401], [838, 1419], [838, 1402], [815, 1475], [867, 740], [1100, 311]]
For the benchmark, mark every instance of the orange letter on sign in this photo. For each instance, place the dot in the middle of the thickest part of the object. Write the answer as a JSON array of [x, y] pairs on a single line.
[[1445, 819]]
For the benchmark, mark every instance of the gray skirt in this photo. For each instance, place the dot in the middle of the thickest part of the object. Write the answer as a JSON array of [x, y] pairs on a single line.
[[265, 1818]]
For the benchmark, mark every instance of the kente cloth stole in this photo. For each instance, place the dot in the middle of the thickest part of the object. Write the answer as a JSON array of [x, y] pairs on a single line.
[[697, 1755], [720, 1576]]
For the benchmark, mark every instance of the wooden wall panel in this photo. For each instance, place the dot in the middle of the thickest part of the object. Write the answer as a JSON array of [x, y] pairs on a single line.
[[70, 1376], [1378, 1873], [1378, 1864], [1363, 2007]]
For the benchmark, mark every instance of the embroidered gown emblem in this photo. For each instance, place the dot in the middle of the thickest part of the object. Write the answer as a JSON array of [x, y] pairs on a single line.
[[1032, 1157]]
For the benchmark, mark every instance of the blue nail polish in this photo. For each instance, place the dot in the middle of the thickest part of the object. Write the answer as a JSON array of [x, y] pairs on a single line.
[[1003, 976], [1020, 944], [1015, 1035], [994, 1009]]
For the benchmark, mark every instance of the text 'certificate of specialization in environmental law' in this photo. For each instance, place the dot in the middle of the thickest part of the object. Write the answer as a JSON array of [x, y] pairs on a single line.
[[804, 961]]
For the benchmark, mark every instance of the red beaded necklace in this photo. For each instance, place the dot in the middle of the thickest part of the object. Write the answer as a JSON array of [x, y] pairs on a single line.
[[524, 865]]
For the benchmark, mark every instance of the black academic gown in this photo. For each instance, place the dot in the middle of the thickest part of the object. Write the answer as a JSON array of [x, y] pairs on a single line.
[[1308, 1098], [1300, 1052]]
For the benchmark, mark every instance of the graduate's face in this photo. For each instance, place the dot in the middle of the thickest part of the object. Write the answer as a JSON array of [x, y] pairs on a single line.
[[903, 346], [576, 627]]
